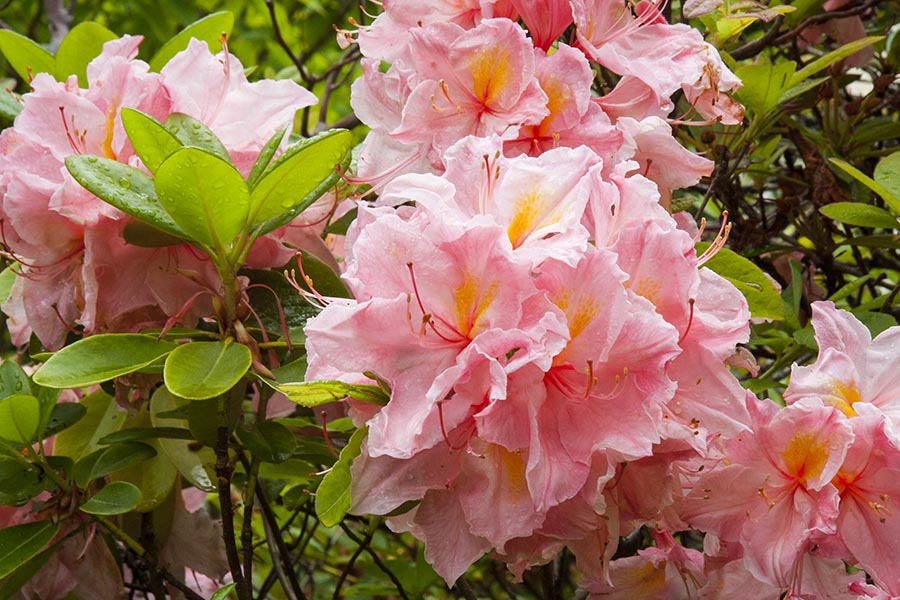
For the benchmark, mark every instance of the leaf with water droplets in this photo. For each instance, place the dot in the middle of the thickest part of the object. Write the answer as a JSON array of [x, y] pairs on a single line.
[[205, 195], [298, 178], [192, 133], [208, 29], [125, 187], [152, 142]]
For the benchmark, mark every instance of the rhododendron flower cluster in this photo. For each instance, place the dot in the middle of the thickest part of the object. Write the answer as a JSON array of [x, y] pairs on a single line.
[[76, 268], [556, 352]]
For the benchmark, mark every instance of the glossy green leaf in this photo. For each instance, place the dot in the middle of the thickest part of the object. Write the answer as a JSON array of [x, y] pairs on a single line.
[[20, 416], [208, 29], [81, 45], [860, 215], [100, 358], [155, 478], [19, 481], [11, 585], [761, 294], [315, 393], [333, 493], [892, 201], [763, 85], [325, 281], [144, 235], [265, 157], [190, 461], [127, 188], [115, 498], [137, 434], [20, 542], [103, 417], [13, 380], [26, 57], [193, 133], [876, 322], [63, 416], [287, 186], [112, 458], [152, 142], [222, 592], [887, 173], [204, 194], [201, 370], [269, 441], [829, 59]]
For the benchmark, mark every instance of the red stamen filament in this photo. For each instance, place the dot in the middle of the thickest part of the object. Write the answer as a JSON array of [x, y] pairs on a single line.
[[690, 322], [427, 316]]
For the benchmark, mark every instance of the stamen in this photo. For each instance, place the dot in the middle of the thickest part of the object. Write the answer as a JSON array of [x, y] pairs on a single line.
[[427, 316], [718, 243], [690, 322], [440, 407], [324, 416], [69, 136]]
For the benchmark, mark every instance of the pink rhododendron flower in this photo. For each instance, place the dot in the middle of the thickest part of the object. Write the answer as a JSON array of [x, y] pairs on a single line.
[[71, 244], [851, 367], [776, 477]]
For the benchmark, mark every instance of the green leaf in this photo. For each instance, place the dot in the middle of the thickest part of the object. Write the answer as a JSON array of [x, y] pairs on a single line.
[[860, 215], [152, 142], [63, 416], [333, 494], [222, 593], [887, 173], [10, 105], [20, 416], [81, 45], [201, 370], [26, 57], [876, 322], [144, 235], [125, 187], [188, 459], [100, 358], [269, 441], [103, 417], [341, 225], [19, 481], [11, 585], [757, 288], [764, 84], [13, 380], [204, 194], [20, 542], [265, 157], [208, 29], [136, 434], [193, 133], [793, 295], [832, 57], [293, 181], [890, 199], [315, 393], [115, 498], [106, 460]]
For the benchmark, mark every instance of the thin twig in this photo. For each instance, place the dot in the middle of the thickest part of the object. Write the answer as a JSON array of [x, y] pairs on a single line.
[[378, 562]]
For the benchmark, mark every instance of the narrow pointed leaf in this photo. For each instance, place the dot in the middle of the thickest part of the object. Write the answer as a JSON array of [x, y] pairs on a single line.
[[269, 441], [63, 416], [860, 215], [832, 57], [208, 29], [265, 157], [887, 173], [81, 45], [100, 358], [152, 142], [20, 542], [201, 370], [297, 178], [115, 498], [125, 187], [892, 201], [762, 296], [205, 196], [315, 393]]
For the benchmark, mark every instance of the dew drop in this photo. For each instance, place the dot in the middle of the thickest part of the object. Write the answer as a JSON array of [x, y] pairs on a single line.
[[124, 183], [92, 159]]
